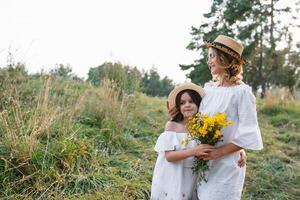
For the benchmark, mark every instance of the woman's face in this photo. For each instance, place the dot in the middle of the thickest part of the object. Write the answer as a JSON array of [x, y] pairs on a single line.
[[187, 106], [216, 68]]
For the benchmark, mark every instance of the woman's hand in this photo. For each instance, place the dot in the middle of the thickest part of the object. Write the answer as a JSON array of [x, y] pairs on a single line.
[[172, 111], [202, 150], [214, 154], [243, 158], [222, 151]]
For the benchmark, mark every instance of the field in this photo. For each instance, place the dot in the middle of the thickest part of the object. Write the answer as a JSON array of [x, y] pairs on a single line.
[[64, 139]]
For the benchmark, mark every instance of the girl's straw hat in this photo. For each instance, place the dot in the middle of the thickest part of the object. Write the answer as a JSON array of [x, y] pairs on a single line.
[[228, 45], [179, 88]]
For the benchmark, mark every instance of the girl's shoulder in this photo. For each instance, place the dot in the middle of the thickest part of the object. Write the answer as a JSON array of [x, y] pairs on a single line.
[[174, 127]]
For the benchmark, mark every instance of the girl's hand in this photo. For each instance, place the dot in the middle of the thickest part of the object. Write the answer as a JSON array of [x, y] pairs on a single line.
[[243, 158], [202, 150], [172, 111]]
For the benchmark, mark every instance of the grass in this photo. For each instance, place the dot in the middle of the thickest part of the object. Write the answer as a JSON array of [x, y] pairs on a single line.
[[71, 140], [68, 140], [274, 172]]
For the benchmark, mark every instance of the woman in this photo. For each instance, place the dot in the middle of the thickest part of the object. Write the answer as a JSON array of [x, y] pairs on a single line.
[[228, 94]]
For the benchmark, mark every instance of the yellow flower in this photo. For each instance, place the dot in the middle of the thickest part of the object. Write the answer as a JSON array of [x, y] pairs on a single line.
[[217, 134], [205, 129], [184, 142]]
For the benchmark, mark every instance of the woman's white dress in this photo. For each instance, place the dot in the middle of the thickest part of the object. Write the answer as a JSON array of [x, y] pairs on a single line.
[[226, 178], [173, 180]]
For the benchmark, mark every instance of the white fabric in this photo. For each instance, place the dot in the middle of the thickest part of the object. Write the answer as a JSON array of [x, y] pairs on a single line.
[[225, 178], [173, 180]]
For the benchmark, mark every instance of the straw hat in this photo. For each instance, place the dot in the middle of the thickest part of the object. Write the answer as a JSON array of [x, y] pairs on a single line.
[[228, 45], [179, 88]]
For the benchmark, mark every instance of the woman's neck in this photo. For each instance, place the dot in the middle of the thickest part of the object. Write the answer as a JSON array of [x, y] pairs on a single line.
[[222, 82]]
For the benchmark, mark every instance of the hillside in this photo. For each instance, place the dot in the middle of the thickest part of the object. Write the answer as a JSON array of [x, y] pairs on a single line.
[[69, 140]]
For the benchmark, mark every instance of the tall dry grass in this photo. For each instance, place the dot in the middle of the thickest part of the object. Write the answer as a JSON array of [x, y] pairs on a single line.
[[58, 142], [278, 96], [22, 126]]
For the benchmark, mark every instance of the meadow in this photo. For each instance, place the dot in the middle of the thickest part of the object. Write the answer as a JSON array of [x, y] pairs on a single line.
[[66, 139]]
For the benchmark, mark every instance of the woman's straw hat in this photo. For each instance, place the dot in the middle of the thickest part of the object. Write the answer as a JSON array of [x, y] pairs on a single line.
[[179, 88], [228, 45]]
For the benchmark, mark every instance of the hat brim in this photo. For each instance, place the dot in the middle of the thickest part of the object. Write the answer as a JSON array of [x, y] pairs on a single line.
[[187, 86], [226, 50]]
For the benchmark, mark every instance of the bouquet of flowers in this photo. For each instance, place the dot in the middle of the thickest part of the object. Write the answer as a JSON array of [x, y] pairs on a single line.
[[205, 130]]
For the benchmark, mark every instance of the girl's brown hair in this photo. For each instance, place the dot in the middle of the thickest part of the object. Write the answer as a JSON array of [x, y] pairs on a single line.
[[194, 96]]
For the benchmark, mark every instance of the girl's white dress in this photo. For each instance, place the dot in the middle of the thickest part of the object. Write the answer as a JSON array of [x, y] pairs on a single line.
[[173, 180], [226, 178]]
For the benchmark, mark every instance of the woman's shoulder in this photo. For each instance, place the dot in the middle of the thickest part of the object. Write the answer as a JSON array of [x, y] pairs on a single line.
[[243, 88], [210, 84], [234, 88], [243, 93]]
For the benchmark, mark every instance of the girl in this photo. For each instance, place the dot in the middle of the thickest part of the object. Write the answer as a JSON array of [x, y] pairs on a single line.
[[173, 177]]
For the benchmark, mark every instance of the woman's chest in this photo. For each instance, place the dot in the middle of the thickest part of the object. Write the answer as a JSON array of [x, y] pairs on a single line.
[[219, 102]]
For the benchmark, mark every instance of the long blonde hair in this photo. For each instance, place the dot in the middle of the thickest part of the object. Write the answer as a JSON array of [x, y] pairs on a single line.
[[234, 68]]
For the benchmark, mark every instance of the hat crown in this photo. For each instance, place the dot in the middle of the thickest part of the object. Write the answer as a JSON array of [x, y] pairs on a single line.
[[231, 43], [181, 87]]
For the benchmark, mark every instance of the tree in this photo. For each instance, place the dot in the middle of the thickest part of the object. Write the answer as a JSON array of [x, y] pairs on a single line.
[[127, 78], [153, 85], [259, 26], [62, 70]]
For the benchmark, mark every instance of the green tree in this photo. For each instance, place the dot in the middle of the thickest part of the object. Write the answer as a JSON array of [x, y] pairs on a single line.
[[127, 78], [259, 26], [62, 70], [153, 85]]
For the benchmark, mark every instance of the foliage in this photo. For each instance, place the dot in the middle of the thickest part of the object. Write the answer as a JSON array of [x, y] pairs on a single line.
[[130, 79], [274, 172], [126, 78], [154, 86], [73, 140], [270, 61], [63, 139]]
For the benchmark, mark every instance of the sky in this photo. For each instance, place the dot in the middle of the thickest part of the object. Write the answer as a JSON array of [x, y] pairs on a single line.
[[85, 34]]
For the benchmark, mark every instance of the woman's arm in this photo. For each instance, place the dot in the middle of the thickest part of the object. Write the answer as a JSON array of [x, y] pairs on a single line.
[[222, 151], [200, 150]]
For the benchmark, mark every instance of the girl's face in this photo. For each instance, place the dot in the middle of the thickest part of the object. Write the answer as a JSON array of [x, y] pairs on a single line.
[[216, 68], [187, 106]]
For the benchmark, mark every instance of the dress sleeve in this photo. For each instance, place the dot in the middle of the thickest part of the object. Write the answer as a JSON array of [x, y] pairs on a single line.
[[248, 134], [167, 141]]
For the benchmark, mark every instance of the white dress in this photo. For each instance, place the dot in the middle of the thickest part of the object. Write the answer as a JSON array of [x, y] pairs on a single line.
[[225, 177], [173, 180]]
